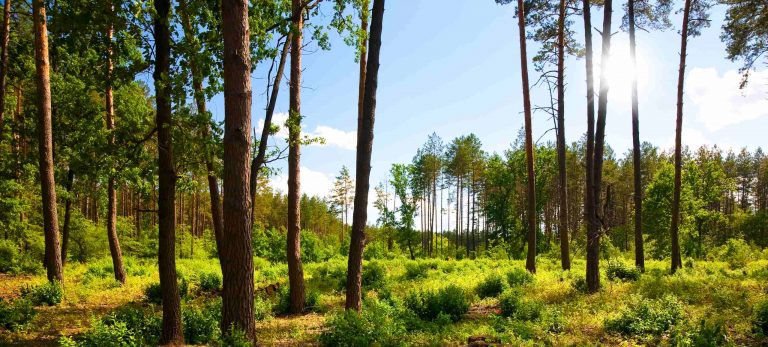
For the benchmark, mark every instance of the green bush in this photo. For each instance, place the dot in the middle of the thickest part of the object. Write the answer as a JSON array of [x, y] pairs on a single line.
[[153, 293], [428, 305], [580, 284], [16, 315], [116, 334], [126, 326], [760, 318], [706, 334], [617, 270], [9, 256], [209, 282], [374, 276], [262, 308], [283, 305], [377, 325], [519, 277], [491, 287], [645, 317], [49, 293], [737, 253], [415, 270], [235, 338], [201, 326], [512, 305]]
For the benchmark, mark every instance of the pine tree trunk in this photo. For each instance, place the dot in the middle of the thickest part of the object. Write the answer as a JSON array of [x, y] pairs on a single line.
[[562, 228], [45, 145], [67, 216], [676, 258], [237, 252], [363, 169], [171, 327], [295, 270], [4, 61], [593, 247], [636, 164], [530, 263]]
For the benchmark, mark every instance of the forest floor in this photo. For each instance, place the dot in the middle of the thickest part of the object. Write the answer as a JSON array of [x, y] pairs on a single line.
[[721, 294]]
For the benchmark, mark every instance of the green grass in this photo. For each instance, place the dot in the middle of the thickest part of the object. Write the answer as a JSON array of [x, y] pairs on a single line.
[[711, 291]]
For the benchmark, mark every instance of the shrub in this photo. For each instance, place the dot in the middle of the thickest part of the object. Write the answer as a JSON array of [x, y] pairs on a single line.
[[737, 253], [9, 255], [209, 282], [235, 338], [49, 293], [514, 306], [200, 326], [646, 317], [619, 271], [102, 334], [377, 325], [153, 293], [760, 318], [580, 284], [16, 315], [262, 308], [415, 270], [126, 326], [427, 305], [491, 287], [283, 305], [374, 276], [519, 277]]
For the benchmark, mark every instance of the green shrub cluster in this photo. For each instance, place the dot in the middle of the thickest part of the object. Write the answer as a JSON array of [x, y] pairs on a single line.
[[201, 325], [646, 317], [760, 318], [283, 305], [49, 293], [374, 275], [13, 262], [377, 325], [154, 295], [15, 315], [127, 326], [518, 277], [450, 301], [417, 269], [209, 282], [513, 305], [491, 287], [617, 270]]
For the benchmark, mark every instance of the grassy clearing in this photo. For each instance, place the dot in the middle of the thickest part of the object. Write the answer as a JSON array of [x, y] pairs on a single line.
[[549, 310]]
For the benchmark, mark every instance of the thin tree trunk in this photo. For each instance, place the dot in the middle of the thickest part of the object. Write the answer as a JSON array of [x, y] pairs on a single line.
[[67, 216], [593, 267], [593, 246], [530, 263], [237, 253], [363, 169], [45, 145], [4, 61], [171, 327], [638, 197], [676, 258], [114, 242], [295, 270], [562, 228]]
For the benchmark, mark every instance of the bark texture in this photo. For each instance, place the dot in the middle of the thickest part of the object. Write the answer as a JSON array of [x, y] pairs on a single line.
[[562, 228], [67, 216], [636, 164], [4, 61], [593, 245]]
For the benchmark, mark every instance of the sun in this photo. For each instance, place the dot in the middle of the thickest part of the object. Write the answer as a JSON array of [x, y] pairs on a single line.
[[621, 70]]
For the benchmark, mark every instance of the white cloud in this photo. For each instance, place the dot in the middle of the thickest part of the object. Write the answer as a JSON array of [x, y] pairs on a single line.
[[720, 102], [332, 136], [313, 183]]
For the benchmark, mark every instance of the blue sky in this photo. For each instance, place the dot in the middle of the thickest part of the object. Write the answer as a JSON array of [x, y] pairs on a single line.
[[452, 67]]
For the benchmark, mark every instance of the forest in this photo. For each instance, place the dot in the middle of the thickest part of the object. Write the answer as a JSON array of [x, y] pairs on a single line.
[[133, 213]]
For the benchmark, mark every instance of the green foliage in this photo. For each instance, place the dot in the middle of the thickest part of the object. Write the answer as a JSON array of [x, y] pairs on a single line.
[[646, 317], [14, 262], [153, 293], [377, 325], [126, 326], [209, 282], [283, 304], [374, 276], [235, 338], [617, 270], [760, 318], [428, 304], [201, 326], [15, 315], [49, 293], [580, 284], [706, 334], [491, 287], [737, 253], [417, 269], [513, 305], [518, 277]]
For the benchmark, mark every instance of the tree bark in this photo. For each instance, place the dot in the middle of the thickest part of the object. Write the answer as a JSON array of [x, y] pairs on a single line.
[[593, 244], [363, 169], [171, 327], [114, 242], [593, 247], [4, 61], [530, 262], [676, 258], [638, 197], [67, 216], [45, 145], [562, 228], [260, 159], [295, 271], [237, 253]]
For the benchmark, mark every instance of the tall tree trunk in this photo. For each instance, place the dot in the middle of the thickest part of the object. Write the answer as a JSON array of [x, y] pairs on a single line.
[[676, 258], [593, 244], [197, 87], [260, 159], [114, 242], [530, 262], [4, 61], [562, 228], [67, 216], [45, 145], [295, 270], [638, 197], [593, 247], [171, 327], [363, 167], [237, 253]]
